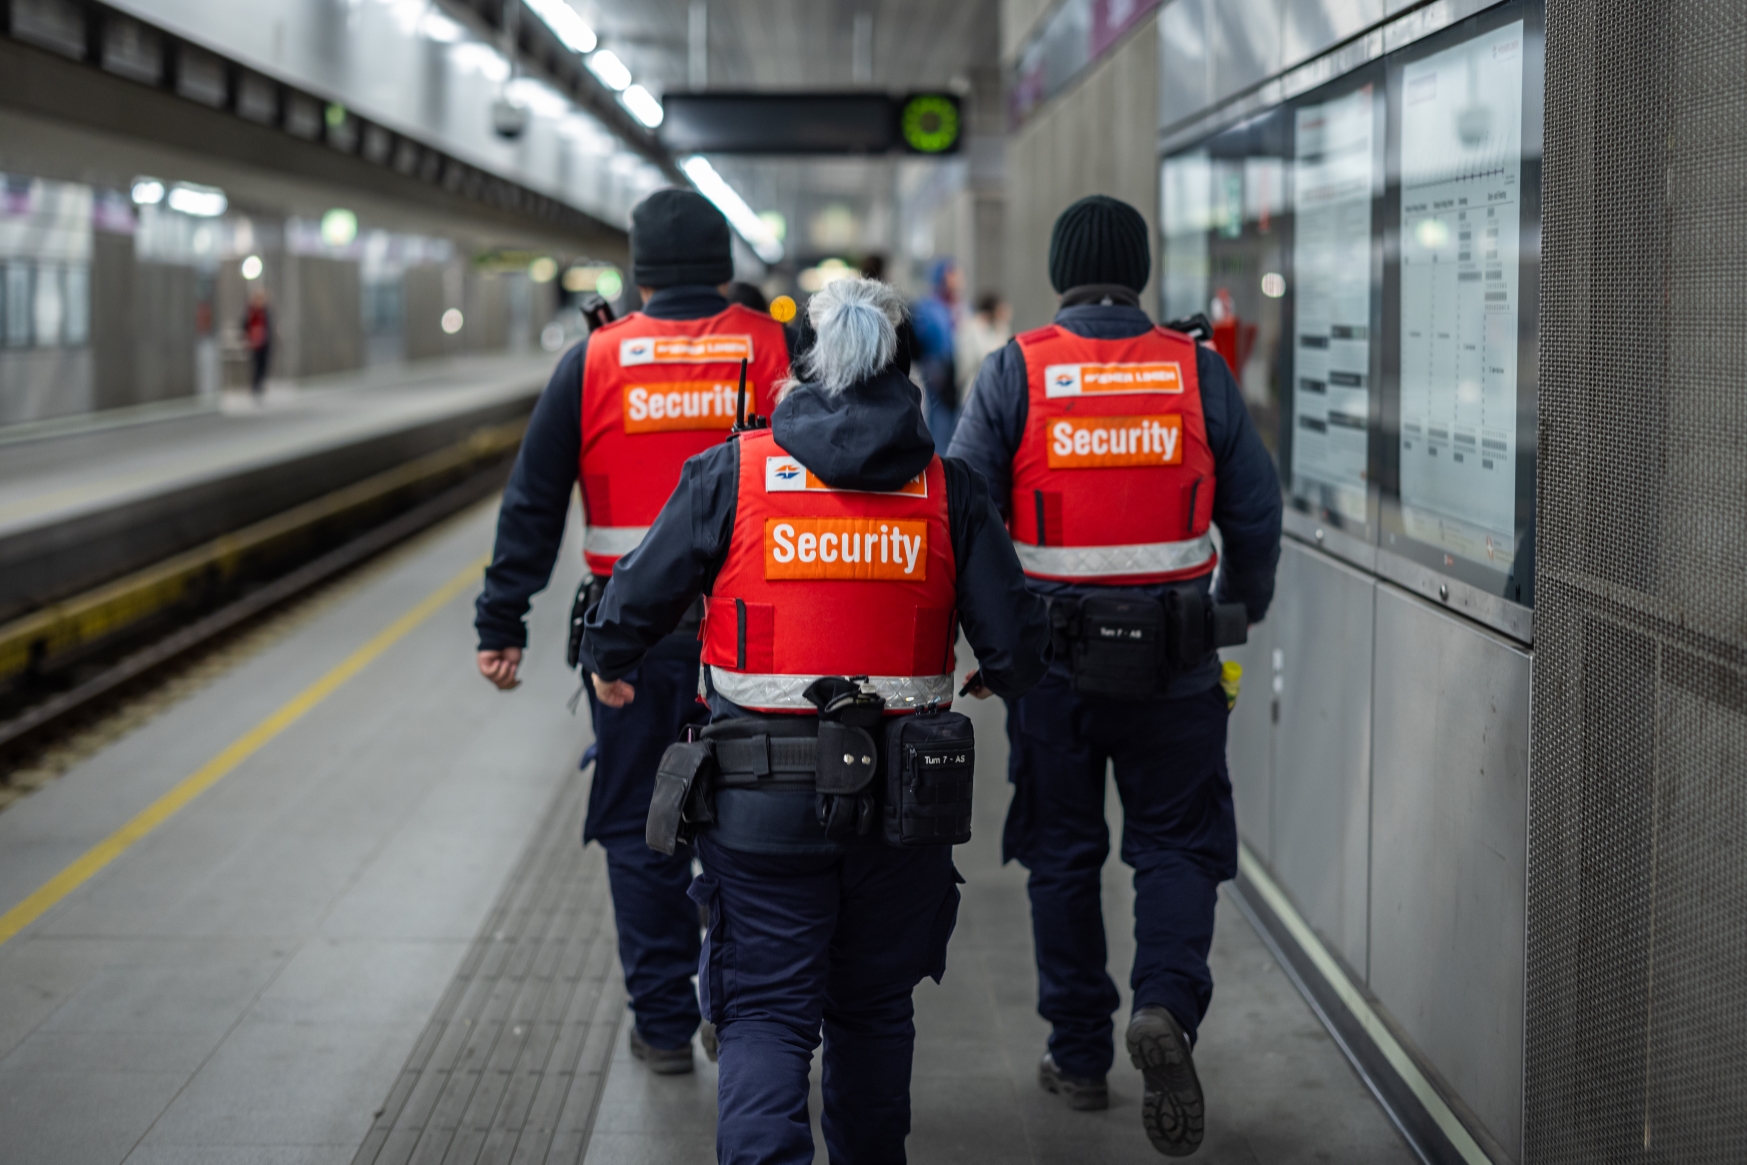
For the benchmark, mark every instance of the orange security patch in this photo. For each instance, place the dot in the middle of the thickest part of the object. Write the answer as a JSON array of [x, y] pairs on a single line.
[[1111, 379], [685, 404], [1114, 442], [845, 548], [684, 350]]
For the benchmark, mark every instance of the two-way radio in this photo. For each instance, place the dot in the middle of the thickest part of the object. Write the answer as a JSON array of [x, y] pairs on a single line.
[[744, 421]]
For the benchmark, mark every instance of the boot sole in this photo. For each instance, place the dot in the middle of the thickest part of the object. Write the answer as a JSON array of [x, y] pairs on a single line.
[[1173, 1112]]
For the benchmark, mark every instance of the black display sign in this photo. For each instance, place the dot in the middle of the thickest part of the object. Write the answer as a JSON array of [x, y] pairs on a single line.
[[925, 124]]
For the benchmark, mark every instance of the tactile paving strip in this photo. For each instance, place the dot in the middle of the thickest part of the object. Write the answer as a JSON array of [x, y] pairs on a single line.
[[1636, 1000], [510, 1068]]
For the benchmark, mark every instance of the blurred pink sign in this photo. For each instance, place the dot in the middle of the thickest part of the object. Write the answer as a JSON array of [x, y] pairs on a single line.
[[1111, 19]]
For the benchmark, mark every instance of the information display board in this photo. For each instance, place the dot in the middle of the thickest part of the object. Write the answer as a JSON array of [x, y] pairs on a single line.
[[1460, 247], [1334, 171]]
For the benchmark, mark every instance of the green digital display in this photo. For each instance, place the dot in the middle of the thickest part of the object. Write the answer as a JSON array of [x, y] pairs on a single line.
[[930, 123]]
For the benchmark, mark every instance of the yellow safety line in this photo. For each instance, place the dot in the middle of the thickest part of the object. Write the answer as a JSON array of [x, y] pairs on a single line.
[[233, 754], [1359, 1007]]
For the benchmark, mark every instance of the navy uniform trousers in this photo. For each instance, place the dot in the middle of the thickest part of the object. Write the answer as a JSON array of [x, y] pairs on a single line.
[[657, 923], [1179, 835], [797, 944]]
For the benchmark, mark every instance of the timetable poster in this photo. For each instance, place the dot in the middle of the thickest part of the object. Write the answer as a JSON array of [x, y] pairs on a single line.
[[1461, 227], [1331, 259]]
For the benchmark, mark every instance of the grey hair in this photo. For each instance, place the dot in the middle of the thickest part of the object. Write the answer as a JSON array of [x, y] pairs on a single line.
[[856, 321]]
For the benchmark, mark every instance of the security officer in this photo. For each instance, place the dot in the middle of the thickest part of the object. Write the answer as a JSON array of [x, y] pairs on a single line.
[[835, 544], [1113, 445], [622, 412]]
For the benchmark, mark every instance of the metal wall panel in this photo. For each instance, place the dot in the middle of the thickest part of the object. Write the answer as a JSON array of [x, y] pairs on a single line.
[[1249, 749], [1322, 747], [1185, 61], [1312, 26], [1245, 39], [1449, 813]]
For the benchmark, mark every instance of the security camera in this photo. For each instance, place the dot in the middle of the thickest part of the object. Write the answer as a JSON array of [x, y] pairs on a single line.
[[508, 119]]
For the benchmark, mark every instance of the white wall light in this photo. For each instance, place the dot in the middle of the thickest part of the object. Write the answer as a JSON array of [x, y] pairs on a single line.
[[147, 191], [566, 24], [610, 69], [199, 201], [643, 105]]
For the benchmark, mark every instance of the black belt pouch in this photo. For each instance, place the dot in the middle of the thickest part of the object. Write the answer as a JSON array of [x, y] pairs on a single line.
[[681, 804], [929, 760], [1120, 649]]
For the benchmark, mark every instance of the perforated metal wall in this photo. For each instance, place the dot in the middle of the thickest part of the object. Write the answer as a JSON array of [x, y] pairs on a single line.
[[1637, 914]]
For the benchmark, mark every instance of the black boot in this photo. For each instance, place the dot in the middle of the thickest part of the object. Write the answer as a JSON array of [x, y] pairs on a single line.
[[661, 1061], [1172, 1113], [1083, 1093]]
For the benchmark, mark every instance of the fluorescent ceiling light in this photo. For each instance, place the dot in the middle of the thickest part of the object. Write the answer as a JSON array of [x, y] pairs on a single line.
[[565, 24], [148, 191], [439, 28], [200, 201], [753, 229], [610, 69], [643, 106]]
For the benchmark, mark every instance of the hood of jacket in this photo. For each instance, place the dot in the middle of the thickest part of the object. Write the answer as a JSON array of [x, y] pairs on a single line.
[[870, 436]]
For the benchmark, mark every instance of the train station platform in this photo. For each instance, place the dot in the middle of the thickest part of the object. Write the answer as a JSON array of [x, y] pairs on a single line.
[[330, 907], [78, 508]]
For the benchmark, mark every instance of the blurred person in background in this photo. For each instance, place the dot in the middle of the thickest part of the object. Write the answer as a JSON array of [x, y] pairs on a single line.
[[258, 335], [981, 332], [935, 320], [746, 295]]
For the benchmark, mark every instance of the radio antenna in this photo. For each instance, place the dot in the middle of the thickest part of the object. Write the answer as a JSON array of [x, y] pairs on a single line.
[[740, 401]]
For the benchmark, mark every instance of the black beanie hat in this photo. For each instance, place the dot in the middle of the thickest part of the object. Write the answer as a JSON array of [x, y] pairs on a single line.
[[678, 236], [1099, 240]]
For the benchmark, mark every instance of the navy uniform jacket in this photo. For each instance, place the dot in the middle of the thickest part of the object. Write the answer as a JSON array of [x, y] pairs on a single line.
[[1246, 499]]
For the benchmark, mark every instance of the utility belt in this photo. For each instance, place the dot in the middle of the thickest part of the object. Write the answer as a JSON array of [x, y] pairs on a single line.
[[589, 592], [926, 759], [1129, 646]]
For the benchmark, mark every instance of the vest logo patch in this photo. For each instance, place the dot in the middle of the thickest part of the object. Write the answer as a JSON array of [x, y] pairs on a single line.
[[686, 404], [855, 549], [1115, 442], [1111, 379], [684, 350], [786, 475]]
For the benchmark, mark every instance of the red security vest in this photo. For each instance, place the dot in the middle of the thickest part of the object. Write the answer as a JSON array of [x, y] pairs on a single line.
[[655, 392], [823, 582], [1113, 481]]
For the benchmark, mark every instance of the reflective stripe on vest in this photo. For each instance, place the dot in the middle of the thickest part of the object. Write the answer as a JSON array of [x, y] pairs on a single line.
[[783, 692], [1095, 562], [613, 541], [825, 582], [1113, 479], [655, 392]]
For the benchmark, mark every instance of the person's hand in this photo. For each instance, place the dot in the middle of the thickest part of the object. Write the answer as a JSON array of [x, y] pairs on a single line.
[[499, 666], [613, 693], [979, 692], [973, 686]]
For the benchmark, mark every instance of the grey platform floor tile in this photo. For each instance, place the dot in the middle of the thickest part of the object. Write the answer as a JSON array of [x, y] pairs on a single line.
[[204, 948], [287, 1084], [240, 1155], [77, 1118]]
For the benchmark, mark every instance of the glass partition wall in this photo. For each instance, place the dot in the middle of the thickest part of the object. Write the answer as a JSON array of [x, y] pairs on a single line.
[[1368, 252]]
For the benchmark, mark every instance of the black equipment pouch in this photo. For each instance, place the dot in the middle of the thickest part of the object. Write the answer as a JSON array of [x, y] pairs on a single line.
[[1118, 649], [847, 757], [682, 803], [930, 757], [588, 593], [1197, 626]]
